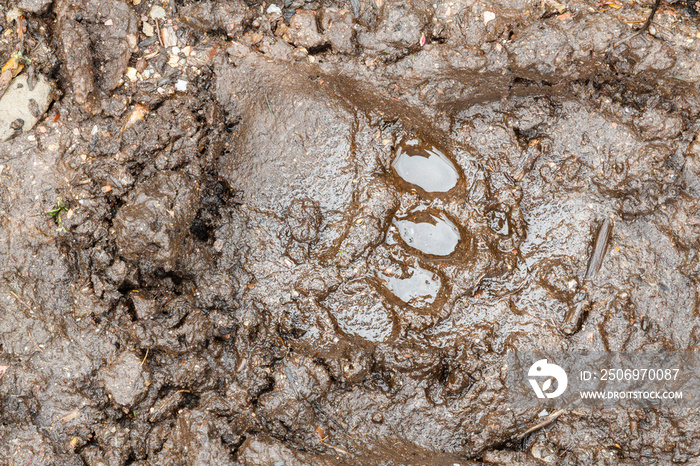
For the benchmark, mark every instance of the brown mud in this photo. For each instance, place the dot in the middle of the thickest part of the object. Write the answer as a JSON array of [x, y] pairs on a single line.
[[309, 232]]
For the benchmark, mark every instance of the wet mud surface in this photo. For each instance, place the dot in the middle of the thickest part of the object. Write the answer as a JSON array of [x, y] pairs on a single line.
[[308, 233]]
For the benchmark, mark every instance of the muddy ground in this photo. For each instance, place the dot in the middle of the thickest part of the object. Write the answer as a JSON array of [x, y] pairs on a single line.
[[309, 232]]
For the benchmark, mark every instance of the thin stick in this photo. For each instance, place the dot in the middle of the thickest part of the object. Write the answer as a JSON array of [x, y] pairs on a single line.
[[35, 343], [338, 449], [550, 419], [644, 27], [20, 299], [647, 23], [160, 39]]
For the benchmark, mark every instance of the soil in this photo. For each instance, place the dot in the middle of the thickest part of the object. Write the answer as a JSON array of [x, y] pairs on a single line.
[[309, 233]]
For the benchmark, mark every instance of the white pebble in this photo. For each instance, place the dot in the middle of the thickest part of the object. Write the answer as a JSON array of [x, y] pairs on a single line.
[[131, 74], [157, 12], [274, 9], [147, 29], [181, 85], [489, 16]]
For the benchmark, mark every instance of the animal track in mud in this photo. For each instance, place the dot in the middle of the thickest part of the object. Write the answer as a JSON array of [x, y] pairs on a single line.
[[422, 166], [442, 239], [363, 230]]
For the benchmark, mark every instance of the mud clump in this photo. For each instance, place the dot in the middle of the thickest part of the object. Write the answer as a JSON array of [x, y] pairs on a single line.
[[311, 232], [152, 227]]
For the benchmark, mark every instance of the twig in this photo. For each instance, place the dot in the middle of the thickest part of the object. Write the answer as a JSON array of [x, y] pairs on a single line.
[[550, 419], [644, 27], [338, 449], [144, 358], [35, 343], [20, 300], [647, 23], [160, 39]]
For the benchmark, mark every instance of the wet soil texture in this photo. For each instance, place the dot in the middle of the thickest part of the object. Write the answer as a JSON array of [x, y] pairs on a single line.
[[309, 232]]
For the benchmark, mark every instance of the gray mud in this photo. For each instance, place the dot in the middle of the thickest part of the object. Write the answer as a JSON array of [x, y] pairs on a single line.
[[309, 233]]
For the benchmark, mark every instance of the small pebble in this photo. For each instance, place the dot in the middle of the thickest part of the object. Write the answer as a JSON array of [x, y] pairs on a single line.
[[157, 12], [131, 74], [173, 61], [274, 9], [489, 16], [181, 85], [169, 36], [147, 29]]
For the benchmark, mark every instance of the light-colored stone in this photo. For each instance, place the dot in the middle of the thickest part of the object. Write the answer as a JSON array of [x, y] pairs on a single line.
[[169, 36], [147, 29], [19, 103], [157, 12]]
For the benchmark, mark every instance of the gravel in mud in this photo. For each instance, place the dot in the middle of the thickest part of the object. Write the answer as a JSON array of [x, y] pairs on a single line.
[[308, 233]]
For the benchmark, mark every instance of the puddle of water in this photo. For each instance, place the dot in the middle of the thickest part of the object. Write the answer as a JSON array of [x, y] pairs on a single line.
[[425, 166], [434, 235], [418, 288]]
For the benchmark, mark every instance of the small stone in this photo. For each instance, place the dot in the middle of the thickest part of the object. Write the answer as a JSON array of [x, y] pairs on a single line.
[[169, 37], [303, 30], [157, 12], [181, 85], [132, 40], [489, 16], [109, 22], [274, 9], [20, 105], [147, 29], [300, 53], [136, 2], [106, 188], [174, 61], [34, 6], [131, 74]]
